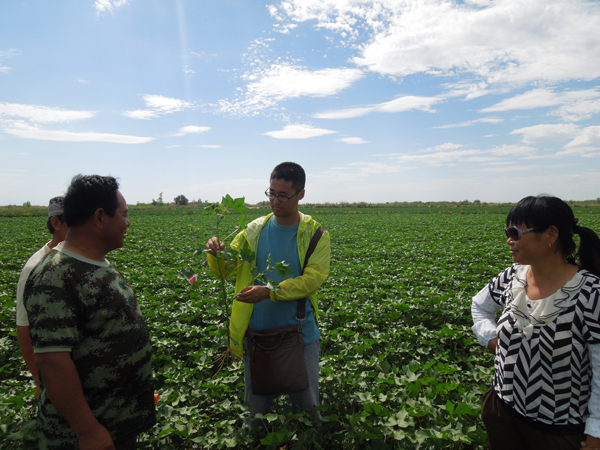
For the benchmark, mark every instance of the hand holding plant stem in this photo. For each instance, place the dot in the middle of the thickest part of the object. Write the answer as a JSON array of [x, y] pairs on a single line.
[[229, 260]]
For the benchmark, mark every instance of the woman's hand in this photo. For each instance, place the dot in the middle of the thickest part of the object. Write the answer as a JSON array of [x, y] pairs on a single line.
[[591, 443], [492, 344]]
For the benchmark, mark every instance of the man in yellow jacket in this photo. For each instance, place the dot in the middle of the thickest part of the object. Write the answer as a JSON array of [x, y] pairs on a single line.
[[284, 235]]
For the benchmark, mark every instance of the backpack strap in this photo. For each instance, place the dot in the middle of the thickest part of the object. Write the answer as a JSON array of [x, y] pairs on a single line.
[[301, 311]]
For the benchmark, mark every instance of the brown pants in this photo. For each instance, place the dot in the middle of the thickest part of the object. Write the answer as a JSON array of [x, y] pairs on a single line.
[[129, 444], [507, 432]]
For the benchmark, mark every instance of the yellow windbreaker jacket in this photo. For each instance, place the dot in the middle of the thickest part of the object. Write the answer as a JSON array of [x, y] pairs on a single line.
[[305, 285]]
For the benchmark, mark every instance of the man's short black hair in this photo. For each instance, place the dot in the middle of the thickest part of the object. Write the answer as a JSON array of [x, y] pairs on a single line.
[[49, 223], [289, 171], [86, 194]]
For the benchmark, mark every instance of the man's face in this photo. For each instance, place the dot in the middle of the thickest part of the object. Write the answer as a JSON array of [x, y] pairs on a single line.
[[284, 209], [116, 226]]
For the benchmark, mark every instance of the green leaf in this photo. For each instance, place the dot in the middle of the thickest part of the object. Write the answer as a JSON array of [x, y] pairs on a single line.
[[186, 272], [273, 285], [228, 254], [247, 255], [242, 222], [283, 269], [227, 201]]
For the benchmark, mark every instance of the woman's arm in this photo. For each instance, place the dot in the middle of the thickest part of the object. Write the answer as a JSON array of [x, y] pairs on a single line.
[[483, 311], [592, 424]]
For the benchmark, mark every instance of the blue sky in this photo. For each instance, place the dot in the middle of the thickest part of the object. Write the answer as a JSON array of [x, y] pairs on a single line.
[[379, 100]]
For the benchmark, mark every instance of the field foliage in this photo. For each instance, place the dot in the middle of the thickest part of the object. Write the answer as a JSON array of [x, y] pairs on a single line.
[[400, 366]]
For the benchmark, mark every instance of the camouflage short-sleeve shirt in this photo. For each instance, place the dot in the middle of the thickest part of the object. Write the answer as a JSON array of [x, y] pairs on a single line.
[[87, 306]]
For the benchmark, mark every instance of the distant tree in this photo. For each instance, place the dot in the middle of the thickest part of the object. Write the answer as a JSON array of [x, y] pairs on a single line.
[[27, 204], [181, 200], [158, 202]]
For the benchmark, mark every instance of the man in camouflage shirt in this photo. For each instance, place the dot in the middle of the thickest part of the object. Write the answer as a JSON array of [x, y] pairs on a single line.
[[91, 343]]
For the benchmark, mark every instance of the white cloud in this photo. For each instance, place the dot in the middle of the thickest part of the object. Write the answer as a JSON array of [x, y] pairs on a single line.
[[165, 104], [504, 42], [572, 105], [11, 122], [512, 150], [279, 82], [42, 114], [353, 140], [450, 154], [547, 133], [191, 129], [82, 81], [210, 146], [369, 168], [158, 105], [438, 158], [22, 130], [6, 54], [400, 104], [298, 131], [108, 6], [144, 114], [588, 138], [511, 169], [472, 122]]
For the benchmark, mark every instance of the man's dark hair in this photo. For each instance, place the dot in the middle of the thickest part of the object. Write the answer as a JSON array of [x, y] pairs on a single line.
[[289, 171], [49, 223], [86, 194]]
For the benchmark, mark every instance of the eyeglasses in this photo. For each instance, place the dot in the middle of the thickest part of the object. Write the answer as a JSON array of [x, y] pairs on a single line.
[[515, 233], [282, 198]]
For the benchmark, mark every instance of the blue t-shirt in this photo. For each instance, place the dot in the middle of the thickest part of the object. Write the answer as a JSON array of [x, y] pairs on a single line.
[[282, 243]]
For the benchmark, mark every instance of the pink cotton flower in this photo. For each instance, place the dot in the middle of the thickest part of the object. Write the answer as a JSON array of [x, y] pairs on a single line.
[[193, 279]]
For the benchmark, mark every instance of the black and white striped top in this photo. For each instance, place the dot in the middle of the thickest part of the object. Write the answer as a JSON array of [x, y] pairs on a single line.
[[545, 371]]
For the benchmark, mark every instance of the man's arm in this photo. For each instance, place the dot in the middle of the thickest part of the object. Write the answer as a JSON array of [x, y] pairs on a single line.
[[63, 388], [27, 352]]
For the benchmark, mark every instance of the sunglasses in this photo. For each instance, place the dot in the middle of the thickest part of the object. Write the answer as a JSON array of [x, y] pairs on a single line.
[[515, 233]]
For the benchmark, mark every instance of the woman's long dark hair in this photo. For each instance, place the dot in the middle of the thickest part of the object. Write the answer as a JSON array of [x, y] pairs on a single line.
[[544, 211]]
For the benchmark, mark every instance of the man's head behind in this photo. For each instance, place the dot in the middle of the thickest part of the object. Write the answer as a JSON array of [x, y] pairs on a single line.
[[88, 193], [55, 209], [289, 171]]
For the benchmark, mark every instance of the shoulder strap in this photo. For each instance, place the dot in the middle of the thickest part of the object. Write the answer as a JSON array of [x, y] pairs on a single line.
[[301, 311], [313, 244]]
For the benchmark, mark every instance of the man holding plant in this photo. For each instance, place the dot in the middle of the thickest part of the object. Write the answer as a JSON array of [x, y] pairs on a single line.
[[91, 343], [284, 235]]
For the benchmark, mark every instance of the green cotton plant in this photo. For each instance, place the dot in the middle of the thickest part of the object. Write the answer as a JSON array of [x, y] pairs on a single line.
[[230, 259]]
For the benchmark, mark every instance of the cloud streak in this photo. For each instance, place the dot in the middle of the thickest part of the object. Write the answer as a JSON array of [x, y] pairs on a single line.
[[25, 131], [573, 106], [158, 105], [400, 104], [6, 54], [191, 129], [108, 6], [43, 114], [298, 131], [266, 87]]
